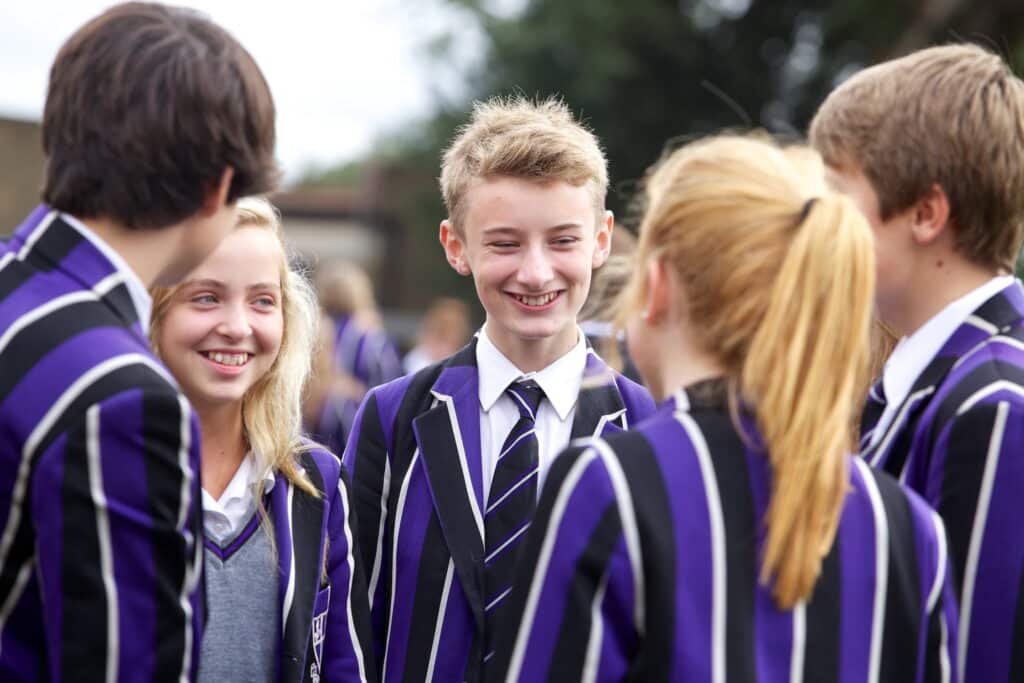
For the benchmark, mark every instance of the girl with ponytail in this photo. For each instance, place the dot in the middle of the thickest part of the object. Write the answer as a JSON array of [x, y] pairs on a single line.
[[732, 536]]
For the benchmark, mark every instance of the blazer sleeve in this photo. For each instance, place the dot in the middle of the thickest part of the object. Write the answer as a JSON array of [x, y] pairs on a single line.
[[118, 514], [975, 480], [368, 469], [937, 647], [574, 592], [347, 649]]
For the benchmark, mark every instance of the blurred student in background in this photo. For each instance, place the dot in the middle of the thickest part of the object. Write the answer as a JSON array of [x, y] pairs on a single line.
[[286, 600], [445, 329], [733, 536], [362, 356]]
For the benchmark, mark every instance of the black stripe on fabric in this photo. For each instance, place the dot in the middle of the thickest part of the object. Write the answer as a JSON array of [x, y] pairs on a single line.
[[83, 597], [903, 608], [497, 667], [657, 548], [41, 337], [58, 240], [135, 376], [570, 651], [369, 482], [1017, 651], [161, 442], [730, 462], [823, 623], [979, 378], [360, 607], [964, 468], [427, 607], [307, 536]]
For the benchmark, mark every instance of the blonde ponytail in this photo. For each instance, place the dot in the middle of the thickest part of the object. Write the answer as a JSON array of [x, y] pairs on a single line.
[[806, 367], [778, 275]]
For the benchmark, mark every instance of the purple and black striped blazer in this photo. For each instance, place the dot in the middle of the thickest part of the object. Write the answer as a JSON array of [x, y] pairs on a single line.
[[958, 440], [643, 563], [414, 458], [101, 552]]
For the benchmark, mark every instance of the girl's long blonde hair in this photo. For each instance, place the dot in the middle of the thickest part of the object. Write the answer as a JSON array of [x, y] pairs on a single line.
[[271, 408], [779, 278]]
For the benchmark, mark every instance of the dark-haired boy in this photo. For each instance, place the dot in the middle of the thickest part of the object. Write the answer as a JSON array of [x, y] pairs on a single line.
[[930, 146], [156, 120]]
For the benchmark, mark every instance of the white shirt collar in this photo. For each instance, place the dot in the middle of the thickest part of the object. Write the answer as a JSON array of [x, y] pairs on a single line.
[[136, 289], [242, 484], [560, 381], [913, 354]]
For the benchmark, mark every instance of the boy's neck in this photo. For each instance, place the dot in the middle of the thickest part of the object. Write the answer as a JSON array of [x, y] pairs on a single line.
[[223, 446], [147, 252], [935, 287], [533, 355]]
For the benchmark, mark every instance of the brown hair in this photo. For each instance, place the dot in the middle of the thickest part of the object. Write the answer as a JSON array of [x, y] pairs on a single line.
[[516, 137], [778, 275], [146, 107], [951, 115]]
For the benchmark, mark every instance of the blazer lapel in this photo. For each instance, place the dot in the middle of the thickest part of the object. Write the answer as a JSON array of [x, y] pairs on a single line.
[[997, 315], [298, 530], [448, 436], [599, 408]]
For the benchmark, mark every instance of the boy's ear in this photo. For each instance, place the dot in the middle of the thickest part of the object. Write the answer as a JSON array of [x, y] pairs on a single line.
[[603, 240], [454, 248], [217, 196], [930, 215]]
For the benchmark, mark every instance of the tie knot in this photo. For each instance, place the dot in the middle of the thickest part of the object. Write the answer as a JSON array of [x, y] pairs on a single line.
[[527, 395]]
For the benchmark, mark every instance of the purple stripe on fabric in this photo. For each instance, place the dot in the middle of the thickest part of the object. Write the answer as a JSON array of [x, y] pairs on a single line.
[[773, 629], [619, 641], [124, 478], [857, 549], [47, 514], [232, 547], [1000, 565], [587, 504], [26, 298], [410, 535], [689, 505], [39, 387], [457, 635]]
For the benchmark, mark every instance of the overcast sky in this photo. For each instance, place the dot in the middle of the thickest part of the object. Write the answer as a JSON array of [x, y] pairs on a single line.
[[341, 72]]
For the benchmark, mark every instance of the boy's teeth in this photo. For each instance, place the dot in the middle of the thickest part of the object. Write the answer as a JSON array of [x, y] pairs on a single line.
[[227, 358]]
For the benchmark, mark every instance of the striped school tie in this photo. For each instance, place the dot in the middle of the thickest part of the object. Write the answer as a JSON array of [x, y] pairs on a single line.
[[510, 504], [873, 409]]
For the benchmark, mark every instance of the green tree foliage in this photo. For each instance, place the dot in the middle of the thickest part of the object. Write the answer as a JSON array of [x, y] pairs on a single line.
[[645, 73]]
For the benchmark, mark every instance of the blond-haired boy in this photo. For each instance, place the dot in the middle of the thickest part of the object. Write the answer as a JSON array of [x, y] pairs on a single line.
[[931, 147], [447, 462]]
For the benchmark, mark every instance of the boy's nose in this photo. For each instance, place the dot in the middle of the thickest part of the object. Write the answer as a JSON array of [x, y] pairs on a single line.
[[535, 270]]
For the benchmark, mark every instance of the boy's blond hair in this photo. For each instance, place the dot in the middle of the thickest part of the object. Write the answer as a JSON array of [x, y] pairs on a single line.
[[951, 115], [520, 138]]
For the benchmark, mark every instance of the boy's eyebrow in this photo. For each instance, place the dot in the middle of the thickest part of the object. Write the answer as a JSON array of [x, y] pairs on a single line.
[[504, 229]]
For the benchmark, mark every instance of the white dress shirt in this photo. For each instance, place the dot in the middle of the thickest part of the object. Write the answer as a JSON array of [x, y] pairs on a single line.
[[498, 413], [224, 518], [914, 353], [136, 289]]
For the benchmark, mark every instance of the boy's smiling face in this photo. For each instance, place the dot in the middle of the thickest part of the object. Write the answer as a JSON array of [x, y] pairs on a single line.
[[531, 248]]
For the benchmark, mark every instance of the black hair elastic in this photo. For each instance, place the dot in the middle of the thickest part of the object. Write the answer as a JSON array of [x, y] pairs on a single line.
[[804, 212]]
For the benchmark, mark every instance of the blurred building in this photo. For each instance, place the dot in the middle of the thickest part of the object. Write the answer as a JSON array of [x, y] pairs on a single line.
[[21, 170]]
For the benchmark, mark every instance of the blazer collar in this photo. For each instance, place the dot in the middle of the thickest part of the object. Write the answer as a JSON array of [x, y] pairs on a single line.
[[997, 315], [599, 408], [299, 526], [51, 243]]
